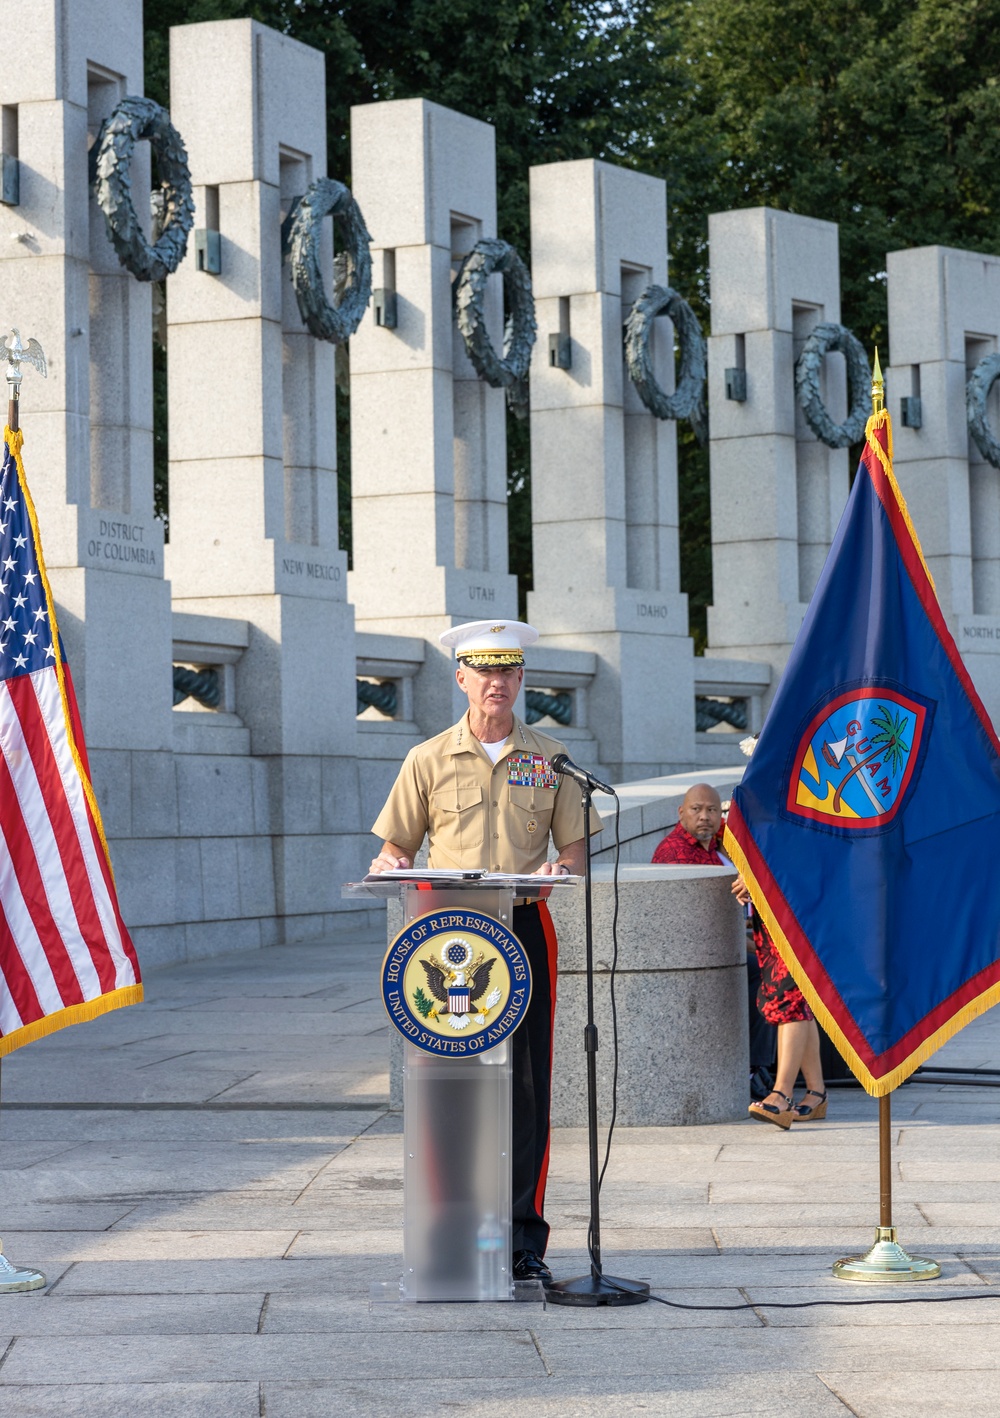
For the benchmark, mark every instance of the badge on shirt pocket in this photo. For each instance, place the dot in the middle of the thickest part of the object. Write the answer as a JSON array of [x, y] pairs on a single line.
[[530, 770]]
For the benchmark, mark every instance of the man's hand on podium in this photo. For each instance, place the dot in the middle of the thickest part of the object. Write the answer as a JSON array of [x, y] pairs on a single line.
[[570, 862], [390, 858]]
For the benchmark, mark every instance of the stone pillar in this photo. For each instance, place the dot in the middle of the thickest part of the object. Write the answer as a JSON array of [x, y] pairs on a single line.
[[944, 316], [682, 987], [88, 428], [253, 499], [603, 469], [428, 437], [777, 492]]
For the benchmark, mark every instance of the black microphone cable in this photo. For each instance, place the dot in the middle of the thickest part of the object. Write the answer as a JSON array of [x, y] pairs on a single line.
[[679, 1304], [812, 1304], [614, 1030]]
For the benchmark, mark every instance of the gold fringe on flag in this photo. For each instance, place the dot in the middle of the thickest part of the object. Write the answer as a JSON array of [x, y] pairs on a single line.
[[882, 420], [72, 1014]]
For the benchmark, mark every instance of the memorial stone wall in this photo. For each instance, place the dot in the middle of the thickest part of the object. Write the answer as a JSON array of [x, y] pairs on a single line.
[[235, 813]]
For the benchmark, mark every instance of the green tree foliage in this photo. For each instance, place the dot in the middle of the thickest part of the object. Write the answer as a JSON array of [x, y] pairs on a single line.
[[880, 116]]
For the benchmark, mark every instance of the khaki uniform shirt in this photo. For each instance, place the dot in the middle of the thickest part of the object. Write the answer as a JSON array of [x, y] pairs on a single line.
[[478, 816]]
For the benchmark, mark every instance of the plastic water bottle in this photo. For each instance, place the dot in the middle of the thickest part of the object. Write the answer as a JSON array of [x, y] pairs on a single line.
[[489, 1249]]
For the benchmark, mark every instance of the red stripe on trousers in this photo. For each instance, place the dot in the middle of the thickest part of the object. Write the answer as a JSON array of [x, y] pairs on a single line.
[[552, 948]]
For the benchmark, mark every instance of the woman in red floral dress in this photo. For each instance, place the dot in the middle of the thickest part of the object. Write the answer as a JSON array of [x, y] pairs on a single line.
[[781, 1002]]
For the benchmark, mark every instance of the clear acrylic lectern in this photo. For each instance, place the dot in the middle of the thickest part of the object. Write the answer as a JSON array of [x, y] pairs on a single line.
[[457, 1120], [456, 1147]]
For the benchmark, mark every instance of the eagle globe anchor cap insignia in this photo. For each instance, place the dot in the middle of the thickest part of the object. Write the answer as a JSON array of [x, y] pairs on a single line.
[[456, 982], [855, 761]]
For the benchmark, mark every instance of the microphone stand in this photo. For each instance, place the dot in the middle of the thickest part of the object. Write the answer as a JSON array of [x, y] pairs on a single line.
[[595, 1288]]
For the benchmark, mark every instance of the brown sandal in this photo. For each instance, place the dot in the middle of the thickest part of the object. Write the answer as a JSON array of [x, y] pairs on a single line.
[[768, 1113], [806, 1114]]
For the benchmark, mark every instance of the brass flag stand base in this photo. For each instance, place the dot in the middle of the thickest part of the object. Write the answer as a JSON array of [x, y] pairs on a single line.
[[886, 1262]]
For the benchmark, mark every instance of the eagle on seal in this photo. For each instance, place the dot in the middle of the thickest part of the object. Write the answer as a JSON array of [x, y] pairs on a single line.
[[478, 985]]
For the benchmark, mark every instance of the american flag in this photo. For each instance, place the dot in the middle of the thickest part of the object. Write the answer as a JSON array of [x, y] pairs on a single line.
[[65, 954]]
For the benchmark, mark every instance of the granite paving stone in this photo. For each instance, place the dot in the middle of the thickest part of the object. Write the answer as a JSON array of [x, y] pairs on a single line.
[[888, 1345], [18, 1155], [84, 1216], [167, 1245], [670, 1396], [191, 1126], [65, 1314], [325, 1314], [748, 1218], [900, 1394], [153, 1400], [145, 1277], [195, 1358]]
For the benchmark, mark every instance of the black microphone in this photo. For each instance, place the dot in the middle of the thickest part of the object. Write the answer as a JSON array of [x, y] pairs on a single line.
[[563, 764]]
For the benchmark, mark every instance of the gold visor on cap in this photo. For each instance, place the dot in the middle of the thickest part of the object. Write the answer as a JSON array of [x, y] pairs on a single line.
[[491, 659], [485, 643]]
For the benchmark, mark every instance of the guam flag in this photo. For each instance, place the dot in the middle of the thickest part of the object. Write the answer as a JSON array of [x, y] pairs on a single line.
[[867, 826]]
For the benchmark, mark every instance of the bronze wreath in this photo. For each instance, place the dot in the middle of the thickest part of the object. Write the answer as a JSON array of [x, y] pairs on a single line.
[[823, 340], [981, 381], [509, 371], [688, 400], [336, 320], [134, 119]]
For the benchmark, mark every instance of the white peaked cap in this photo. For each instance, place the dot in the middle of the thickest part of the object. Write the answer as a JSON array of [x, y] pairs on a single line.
[[483, 643]]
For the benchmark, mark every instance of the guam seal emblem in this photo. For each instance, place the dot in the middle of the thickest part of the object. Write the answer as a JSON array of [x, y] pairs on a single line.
[[856, 760], [456, 982]]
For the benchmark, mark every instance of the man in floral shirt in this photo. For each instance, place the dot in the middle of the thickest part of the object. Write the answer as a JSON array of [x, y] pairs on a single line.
[[696, 841]]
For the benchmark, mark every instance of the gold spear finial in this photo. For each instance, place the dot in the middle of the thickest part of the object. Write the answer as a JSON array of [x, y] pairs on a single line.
[[878, 387]]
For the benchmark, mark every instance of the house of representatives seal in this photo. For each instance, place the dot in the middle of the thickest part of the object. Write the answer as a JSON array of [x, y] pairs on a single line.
[[456, 982]]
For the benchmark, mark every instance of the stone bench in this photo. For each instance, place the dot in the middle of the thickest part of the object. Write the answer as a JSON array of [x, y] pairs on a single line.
[[681, 993]]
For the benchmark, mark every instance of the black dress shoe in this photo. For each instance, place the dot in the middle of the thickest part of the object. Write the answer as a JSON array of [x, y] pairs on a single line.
[[530, 1266]]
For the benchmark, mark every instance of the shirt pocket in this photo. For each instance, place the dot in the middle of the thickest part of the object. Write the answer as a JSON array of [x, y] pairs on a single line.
[[530, 817], [457, 826]]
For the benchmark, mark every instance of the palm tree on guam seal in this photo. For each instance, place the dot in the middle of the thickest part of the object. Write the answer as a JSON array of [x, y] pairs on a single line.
[[888, 743]]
